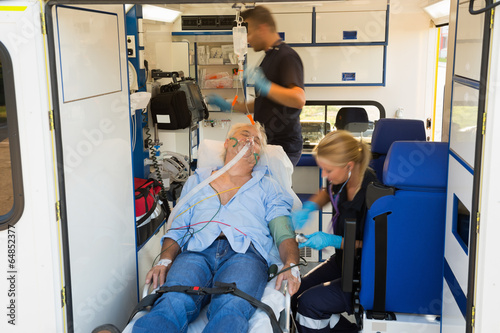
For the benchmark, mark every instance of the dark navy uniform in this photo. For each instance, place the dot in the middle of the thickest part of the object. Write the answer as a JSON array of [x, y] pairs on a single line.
[[320, 298], [281, 65]]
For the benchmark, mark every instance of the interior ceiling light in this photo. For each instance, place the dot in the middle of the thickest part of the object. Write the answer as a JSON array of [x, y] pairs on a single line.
[[439, 11], [156, 13]]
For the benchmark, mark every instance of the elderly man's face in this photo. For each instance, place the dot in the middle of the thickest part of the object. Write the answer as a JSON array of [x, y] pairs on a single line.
[[243, 136]]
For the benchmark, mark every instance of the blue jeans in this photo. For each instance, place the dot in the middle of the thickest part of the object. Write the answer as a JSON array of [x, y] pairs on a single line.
[[226, 313]]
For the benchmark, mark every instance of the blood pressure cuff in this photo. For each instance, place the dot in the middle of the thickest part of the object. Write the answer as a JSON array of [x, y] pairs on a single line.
[[281, 228]]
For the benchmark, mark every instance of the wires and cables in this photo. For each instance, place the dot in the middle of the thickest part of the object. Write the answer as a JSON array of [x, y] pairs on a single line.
[[134, 130], [189, 232], [149, 142], [216, 194], [272, 275]]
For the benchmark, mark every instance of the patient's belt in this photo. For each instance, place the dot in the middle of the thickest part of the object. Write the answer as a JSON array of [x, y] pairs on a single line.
[[220, 288]]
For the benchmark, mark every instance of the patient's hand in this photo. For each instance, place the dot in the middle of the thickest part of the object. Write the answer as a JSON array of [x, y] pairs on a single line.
[[158, 273], [293, 278]]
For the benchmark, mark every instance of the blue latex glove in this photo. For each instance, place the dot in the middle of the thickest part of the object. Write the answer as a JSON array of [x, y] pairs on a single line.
[[300, 217], [256, 76], [319, 240], [217, 100]]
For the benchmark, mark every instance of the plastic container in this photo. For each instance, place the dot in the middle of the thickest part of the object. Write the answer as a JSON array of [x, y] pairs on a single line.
[[240, 42], [219, 75], [225, 82]]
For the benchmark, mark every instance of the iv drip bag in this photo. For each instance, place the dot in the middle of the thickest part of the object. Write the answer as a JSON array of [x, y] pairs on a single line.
[[240, 42]]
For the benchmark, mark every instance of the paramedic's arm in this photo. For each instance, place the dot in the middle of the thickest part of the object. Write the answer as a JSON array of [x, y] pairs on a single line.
[[321, 198], [244, 107], [293, 97], [289, 253], [158, 273]]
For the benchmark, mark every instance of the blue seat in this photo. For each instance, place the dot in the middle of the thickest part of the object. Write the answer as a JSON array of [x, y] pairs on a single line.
[[403, 244], [388, 130]]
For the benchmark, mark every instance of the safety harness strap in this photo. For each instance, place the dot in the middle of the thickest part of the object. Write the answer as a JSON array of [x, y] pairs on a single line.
[[380, 263], [220, 288], [256, 303]]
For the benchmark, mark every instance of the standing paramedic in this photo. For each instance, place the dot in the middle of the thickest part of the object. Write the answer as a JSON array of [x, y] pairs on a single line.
[[278, 82], [320, 299], [224, 232]]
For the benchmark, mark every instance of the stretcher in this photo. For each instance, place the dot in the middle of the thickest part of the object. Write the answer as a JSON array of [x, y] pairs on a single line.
[[281, 170], [277, 300]]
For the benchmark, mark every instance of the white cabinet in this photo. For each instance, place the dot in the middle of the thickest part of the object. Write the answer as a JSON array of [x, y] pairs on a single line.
[[343, 27], [346, 65], [337, 47], [342, 64], [297, 27]]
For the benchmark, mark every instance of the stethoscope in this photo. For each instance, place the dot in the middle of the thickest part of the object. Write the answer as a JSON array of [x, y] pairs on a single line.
[[335, 199]]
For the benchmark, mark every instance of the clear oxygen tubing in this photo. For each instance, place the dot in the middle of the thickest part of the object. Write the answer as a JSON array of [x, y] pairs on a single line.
[[204, 183]]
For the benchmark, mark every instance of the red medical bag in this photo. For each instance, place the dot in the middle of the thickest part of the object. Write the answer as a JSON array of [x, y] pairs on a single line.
[[146, 197]]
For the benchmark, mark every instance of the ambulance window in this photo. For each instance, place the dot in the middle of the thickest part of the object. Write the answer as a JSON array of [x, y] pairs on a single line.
[[319, 117], [6, 190], [11, 199], [461, 223]]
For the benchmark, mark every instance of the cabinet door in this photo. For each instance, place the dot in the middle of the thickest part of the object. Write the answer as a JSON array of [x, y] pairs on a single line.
[[342, 27], [342, 65], [296, 26], [180, 57]]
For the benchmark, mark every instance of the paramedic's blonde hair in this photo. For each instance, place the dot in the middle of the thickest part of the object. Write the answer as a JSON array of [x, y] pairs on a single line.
[[340, 147]]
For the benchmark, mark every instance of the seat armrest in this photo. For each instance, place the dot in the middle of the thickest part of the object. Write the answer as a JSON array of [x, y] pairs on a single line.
[[348, 255]]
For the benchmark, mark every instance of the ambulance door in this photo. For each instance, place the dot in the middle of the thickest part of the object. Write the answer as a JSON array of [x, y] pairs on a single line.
[[30, 282], [91, 113], [469, 85]]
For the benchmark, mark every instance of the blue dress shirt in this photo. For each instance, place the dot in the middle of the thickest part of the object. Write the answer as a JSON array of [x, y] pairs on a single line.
[[243, 219]]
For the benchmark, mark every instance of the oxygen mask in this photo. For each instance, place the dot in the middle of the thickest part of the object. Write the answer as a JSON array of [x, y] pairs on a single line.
[[248, 141]]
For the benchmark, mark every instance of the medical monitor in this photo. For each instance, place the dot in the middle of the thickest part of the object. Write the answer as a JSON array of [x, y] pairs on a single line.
[[195, 101]]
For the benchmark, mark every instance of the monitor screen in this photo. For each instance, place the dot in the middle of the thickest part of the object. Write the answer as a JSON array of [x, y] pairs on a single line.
[[195, 101]]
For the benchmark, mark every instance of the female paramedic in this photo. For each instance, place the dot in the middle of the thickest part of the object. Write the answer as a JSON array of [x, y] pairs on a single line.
[[224, 232], [320, 299]]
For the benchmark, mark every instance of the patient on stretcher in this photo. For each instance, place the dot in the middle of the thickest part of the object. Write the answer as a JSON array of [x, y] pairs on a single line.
[[226, 231]]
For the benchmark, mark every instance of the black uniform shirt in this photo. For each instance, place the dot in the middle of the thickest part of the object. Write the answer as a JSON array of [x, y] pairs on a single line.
[[352, 209], [281, 65]]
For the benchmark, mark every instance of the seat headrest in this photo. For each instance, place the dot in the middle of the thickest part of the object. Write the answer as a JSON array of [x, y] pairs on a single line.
[[388, 130], [353, 119], [417, 165]]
